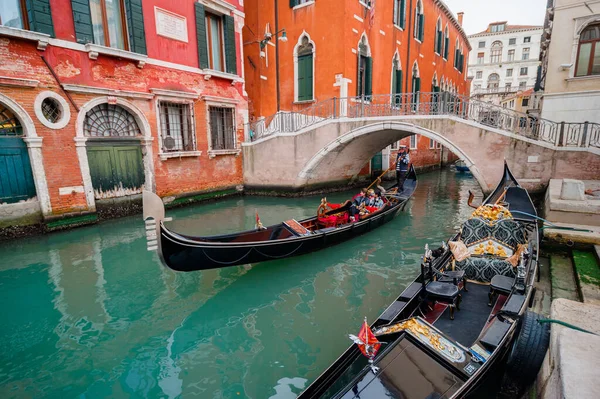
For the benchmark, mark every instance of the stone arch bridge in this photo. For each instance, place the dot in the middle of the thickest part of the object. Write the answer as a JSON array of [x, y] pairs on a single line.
[[328, 143]]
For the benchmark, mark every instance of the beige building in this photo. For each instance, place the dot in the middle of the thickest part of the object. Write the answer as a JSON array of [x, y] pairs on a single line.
[[570, 54]]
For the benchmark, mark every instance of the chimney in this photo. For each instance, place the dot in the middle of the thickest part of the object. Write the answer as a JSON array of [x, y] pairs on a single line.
[[460, 17]]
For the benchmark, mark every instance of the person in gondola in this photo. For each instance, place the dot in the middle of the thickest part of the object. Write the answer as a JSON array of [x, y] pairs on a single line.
[[402, 163], [357, 203], [359, 198]]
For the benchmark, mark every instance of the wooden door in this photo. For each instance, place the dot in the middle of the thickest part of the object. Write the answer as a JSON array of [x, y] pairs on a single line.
[[116, 170], [16, 177]]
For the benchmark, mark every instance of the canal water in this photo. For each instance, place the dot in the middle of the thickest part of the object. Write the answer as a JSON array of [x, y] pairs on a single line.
[[89, 313]]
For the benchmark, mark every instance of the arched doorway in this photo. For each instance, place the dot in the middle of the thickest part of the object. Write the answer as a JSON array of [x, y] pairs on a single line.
[[114, 151], [16, 177]]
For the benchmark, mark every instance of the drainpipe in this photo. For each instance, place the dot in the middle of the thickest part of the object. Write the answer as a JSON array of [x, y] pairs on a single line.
[[410, 15], [277, 55]]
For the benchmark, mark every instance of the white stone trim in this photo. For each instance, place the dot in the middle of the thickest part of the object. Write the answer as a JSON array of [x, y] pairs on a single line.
[[94, 50], [359, 19], [175, 154], [70, 190], [65, 110], [18, 82], [175, 94], [214, 153], [108, 92], [221, 104], [209, 73], [34, 147], [303, 5], [42, 38], [178, 154], [314, 55], [220, 101], [218, 6], [145, 141]]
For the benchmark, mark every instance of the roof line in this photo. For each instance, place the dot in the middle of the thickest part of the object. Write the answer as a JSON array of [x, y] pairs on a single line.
[[452, 19]]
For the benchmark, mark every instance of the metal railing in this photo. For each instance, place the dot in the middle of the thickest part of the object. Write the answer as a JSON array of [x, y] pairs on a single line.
[[565, 134]]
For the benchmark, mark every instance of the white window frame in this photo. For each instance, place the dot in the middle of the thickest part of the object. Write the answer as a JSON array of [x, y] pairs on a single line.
[[416, 142], [431, 144], [314, 55], [176, 98], [221, 103]]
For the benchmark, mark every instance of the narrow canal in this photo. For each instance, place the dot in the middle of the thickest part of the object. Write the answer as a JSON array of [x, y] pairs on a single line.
[[90, 313]]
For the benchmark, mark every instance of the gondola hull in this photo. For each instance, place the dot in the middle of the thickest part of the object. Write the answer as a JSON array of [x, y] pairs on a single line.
[[186, 253]]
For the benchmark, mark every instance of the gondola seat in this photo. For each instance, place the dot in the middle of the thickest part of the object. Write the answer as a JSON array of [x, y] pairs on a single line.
[[500, 285], [446, 293]]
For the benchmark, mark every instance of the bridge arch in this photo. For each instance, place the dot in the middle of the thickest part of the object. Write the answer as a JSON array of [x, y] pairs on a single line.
[[347, 154]]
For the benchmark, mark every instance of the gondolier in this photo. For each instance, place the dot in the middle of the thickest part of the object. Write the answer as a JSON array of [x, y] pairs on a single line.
[[402, 163]]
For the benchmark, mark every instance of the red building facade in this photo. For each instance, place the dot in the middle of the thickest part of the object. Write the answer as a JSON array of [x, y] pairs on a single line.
[[347, 48], [99, 100]]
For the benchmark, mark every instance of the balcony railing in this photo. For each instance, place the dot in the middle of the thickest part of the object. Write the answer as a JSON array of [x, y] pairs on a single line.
[[430, 104]]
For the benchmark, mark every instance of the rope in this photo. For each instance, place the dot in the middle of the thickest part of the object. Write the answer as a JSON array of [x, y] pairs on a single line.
[[554, 226], [562, 323]]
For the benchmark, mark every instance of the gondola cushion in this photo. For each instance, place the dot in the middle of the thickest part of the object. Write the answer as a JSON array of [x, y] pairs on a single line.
[[484, 269], [506, 231]]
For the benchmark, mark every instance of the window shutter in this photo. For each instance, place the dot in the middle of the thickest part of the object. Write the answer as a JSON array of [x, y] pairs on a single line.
[[395, 17], [359, 80], [369, 77], [301, 78], [230, 53], [398, 88], [446, 47], [308, 69], [135, 25], [39, 16], [421, 26], [418, 85], [82, 20], [293, 3], [201, 36], [403, 14]]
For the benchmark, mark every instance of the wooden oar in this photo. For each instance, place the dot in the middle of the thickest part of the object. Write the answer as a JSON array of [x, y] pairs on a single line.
[[380, 176]]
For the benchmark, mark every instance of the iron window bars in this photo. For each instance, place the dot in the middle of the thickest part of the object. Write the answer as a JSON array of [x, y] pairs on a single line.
[[222, 128], [176, 126]]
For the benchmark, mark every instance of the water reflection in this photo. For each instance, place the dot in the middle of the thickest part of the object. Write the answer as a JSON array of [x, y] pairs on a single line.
[[91, 313]]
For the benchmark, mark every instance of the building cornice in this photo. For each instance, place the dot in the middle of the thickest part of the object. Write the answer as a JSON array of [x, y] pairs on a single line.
[[454, 21], [507, 32]]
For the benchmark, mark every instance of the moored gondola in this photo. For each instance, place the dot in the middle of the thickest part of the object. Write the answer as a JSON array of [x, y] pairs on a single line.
[[290, 238], [444, 334]]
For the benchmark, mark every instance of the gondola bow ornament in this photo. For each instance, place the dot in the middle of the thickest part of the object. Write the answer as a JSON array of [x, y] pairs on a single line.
[[367, 343]]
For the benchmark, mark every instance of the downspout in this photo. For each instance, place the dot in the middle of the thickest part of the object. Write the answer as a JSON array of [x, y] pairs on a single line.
[[60, 84], [277, 55], [410, 14]]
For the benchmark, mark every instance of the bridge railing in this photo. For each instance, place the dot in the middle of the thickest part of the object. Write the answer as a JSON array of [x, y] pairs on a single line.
[[430, 104]]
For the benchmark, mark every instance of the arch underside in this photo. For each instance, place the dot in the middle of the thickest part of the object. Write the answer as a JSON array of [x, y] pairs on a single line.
[[344, 158]]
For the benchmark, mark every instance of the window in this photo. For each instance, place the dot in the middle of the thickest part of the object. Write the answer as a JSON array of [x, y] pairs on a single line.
[[431, 144], [438, 145], [396, 81], [512, 41], [439, 37], [523, 71], [525, 54], [419, 21], [481, 44], [305, 69], [497, 28], [413, 142], [176, 126], [214, 33], [480, 58], [108, 23], [416, 85], [507, 87], [365, 70], [478, 74], [522, 85], [294, 3], [400, 13], [395, 145], [527, 39], [496, 54], [509, 73], [588, 55], [511, 55], [477, 87], [525, 102], [11, 14], [493, 81], [446, 43], [222, 128]]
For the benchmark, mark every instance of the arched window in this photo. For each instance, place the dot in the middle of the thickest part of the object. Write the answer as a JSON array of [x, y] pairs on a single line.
[[439, 38], [9, 124], [493, 81], [588, 55], [446, 43], [304, 54], [365, 68], [110, 120], [396, 80], [416, 85], [400, 13], [435, 86], [496, 53], [419, 21], [456, 53]]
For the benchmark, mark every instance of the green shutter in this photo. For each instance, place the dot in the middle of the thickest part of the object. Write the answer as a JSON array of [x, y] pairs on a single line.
[[446, 47], [230, 53], [82, 20], [135, 25], [395, 16], [369, 77], [421, 26], [359, 79], [201, 36], [403, 14], [293, 3], [40, 16], [305, 77], [398, 87]]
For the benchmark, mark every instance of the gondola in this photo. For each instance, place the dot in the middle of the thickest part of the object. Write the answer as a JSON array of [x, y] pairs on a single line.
[[290, 238], [464, 318], [461, 166]]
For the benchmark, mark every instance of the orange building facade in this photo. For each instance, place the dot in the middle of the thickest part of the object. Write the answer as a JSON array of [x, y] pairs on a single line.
[[348, 48]]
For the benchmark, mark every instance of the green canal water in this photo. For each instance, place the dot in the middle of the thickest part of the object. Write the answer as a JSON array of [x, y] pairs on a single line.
[[89, 313]]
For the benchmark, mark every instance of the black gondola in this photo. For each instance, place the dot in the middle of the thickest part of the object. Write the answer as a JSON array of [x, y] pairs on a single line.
[[438, 339], [291, 238]]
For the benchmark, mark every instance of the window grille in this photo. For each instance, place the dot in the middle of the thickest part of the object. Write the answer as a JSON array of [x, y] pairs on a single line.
[[109, 120], [51, 109], [176, 126], [222, 128], [9, 124], [512, 41], [413, 142]]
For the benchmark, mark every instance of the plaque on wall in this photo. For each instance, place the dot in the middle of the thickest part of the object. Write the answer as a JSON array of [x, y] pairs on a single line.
[[171, 25]]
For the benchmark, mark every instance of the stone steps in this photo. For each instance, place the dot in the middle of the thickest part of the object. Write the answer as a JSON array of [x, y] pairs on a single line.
[[564, 284]]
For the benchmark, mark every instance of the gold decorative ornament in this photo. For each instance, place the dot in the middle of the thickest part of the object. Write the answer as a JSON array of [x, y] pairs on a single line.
[[492, 213]]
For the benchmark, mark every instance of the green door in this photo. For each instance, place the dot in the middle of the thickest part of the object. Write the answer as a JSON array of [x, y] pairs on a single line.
[[116, 170], [16, 178], [377, 163]]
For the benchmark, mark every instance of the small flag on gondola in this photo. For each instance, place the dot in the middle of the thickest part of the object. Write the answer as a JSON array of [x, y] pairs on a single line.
[[258, 225], [366, 341]]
